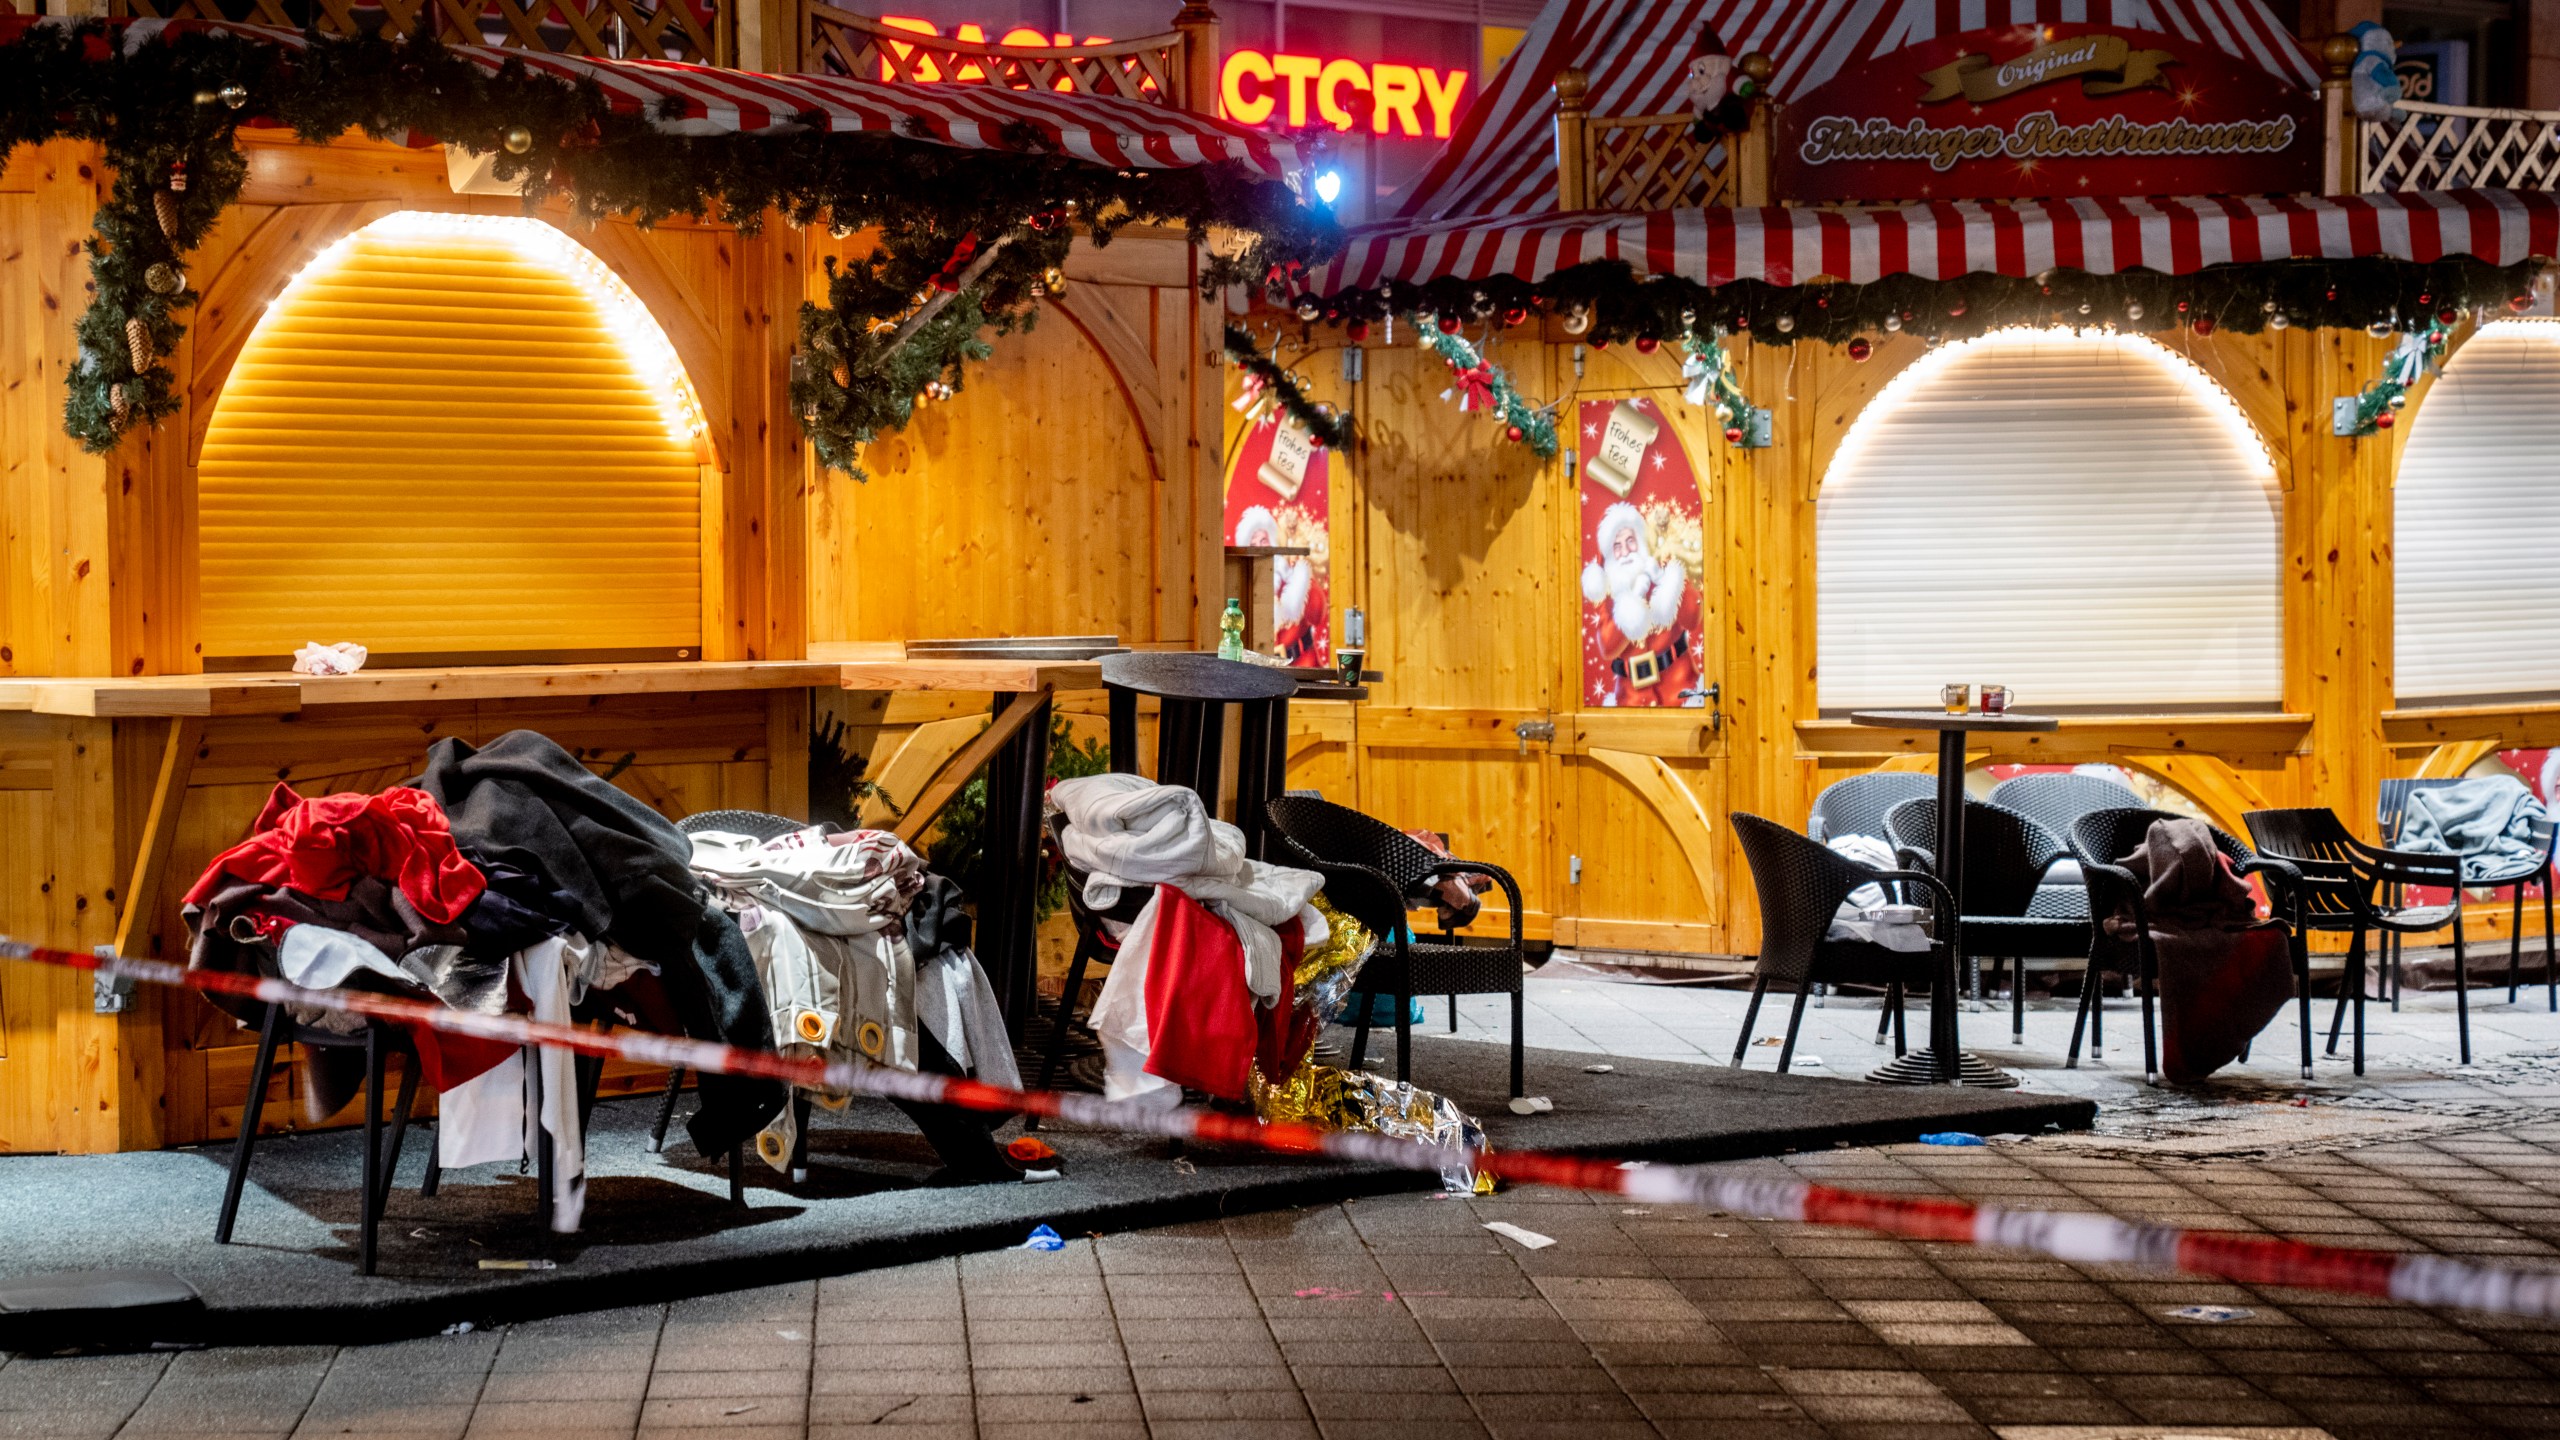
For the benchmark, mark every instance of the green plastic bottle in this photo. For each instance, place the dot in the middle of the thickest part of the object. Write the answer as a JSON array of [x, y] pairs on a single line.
[[1231, 631]]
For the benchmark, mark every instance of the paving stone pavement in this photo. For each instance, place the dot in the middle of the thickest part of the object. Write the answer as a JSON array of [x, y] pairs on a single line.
[[1403, 1317]]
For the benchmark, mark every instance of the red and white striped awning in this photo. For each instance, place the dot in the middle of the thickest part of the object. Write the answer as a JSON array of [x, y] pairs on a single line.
[[1636, 54], [702, 100], [1940, 240]]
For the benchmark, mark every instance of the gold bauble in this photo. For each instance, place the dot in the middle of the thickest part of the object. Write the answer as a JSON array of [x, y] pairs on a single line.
[[518, 140], [163, 278], [1054, 280]]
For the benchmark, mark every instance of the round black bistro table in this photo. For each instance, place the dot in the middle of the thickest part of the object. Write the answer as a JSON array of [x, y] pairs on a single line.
[[1945, 1061]]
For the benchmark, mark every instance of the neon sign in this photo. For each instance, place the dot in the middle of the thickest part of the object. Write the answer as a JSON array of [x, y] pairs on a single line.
[[1256, 87], [1253, 85]]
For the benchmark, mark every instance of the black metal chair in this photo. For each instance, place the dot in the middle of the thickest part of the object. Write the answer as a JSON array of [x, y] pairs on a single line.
[[379, 1042], [2340, 891], [2103, 838], [1802, 884], [2056, 801], [1375, 873], [1193, 692], [1857, 805], [2393, 807], [2006, 859]]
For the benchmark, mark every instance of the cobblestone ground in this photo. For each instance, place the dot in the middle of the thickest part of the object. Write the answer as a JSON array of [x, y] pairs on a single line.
[[1404, 1317]]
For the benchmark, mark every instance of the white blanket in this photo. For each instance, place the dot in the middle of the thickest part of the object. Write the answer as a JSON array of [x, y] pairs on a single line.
[[1123, 832]]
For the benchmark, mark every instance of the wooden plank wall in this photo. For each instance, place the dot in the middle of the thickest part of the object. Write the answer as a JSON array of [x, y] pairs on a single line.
[[1464, 552]]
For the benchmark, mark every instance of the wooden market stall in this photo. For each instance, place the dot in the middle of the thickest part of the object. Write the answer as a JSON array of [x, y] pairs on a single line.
[[554, 469], [2153, 521]]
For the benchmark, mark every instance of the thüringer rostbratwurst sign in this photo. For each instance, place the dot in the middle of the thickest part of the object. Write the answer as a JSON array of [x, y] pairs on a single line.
[[2048, 110]]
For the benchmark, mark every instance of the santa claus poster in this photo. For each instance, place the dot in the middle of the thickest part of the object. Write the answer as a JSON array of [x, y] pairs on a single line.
[[1277, 495], [1643, 553]]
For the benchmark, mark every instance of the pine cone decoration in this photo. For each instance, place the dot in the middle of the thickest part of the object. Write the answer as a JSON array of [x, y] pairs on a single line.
[[137, 339], [117, 403], [165, 205]]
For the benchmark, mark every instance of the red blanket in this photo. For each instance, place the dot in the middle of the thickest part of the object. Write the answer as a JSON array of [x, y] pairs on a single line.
[[1203, 1026]]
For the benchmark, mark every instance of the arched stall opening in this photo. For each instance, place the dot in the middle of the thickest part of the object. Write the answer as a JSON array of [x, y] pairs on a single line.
[[453, 439], [2085, 518]]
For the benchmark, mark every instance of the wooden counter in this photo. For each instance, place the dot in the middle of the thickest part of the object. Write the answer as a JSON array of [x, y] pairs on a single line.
[[284, 693]]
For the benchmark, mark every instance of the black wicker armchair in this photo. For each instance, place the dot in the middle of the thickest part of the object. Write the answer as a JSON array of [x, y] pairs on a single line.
[[1857, 805], [2104, 837], [1802, 884], [2342, 883], [1374, 873], [2007, 858]]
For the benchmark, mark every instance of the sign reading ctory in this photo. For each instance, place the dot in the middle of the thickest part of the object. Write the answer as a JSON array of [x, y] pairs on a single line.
[[2045, 111]]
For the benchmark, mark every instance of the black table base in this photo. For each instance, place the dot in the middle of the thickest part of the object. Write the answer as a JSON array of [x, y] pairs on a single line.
[[1920, 1067]]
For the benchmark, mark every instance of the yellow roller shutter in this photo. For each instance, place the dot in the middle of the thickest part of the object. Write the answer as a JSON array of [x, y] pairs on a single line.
[[453, 436]]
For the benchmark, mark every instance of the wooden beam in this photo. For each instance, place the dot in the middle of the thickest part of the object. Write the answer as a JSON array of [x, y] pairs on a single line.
[[928, 806], [159, 830]]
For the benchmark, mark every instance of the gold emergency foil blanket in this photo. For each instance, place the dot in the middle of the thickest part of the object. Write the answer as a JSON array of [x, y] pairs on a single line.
[[1327, 972], [1350, 1101]]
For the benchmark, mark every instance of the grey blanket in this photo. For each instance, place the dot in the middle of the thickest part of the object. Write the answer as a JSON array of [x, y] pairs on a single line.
[[2486, 822]]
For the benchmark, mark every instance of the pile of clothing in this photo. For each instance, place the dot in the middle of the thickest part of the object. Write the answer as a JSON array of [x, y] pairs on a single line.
[[864, 955], [1203, 975], [504, 879]]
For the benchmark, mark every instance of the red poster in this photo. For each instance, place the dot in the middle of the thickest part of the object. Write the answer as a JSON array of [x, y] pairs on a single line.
[[2048, 111], [1277, 495], [1643, 551]]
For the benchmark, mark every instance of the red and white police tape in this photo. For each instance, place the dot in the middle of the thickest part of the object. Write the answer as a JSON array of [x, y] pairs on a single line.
[[2080, 1238]]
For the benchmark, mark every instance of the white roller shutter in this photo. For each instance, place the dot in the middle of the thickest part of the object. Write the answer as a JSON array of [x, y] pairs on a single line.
[[2088, 520], [2477, 513]]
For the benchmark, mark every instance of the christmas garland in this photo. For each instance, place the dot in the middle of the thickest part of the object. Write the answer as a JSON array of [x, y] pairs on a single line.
[[2419, 353], [1267, 383], [1605, 303], [1479, 384], [166, 110], [1705, 374]]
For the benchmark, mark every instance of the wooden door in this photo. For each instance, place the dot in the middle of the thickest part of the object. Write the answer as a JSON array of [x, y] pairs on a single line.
[[1639, 744]]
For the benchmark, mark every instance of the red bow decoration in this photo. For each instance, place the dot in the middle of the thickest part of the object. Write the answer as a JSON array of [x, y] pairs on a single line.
[[949, 279], [1474, 388]]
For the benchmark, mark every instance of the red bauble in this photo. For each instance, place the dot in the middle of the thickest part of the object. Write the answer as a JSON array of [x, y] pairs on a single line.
[[2425, 299], [2182, 307], [2332, 294], [1646, 344], [1740, 324], [1821, 302], [1956, 311], [2384, 420], [1449, 324], [1599, 344], [2448, 315], [1860, 347], [2204, 325], [1512, 433], [1356, 331], [2519, 303], [1516, 315], [1733, 434]]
